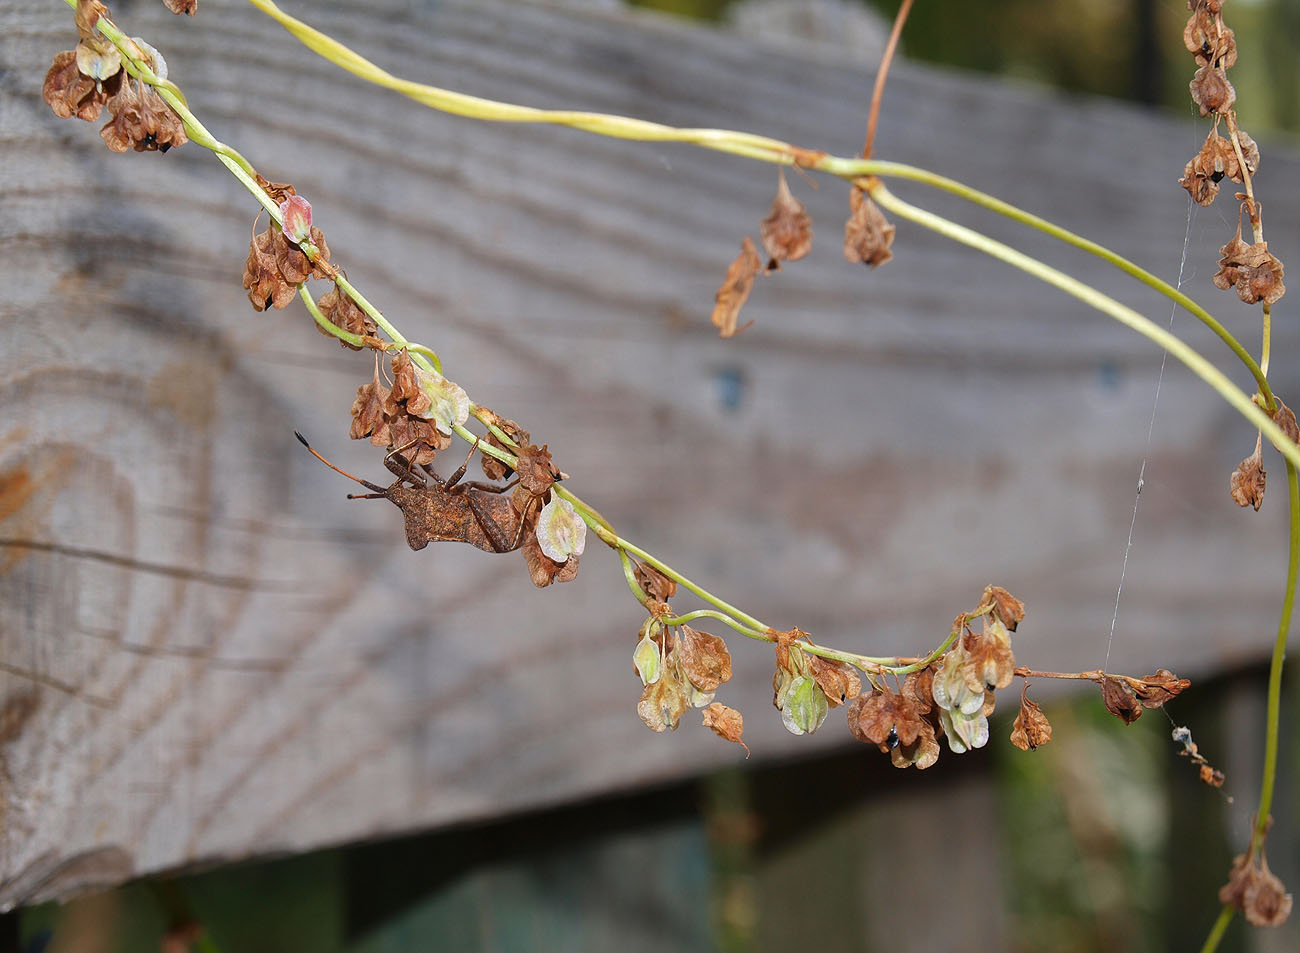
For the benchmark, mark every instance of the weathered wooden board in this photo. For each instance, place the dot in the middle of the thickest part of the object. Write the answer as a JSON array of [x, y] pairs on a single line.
[[207, 653]]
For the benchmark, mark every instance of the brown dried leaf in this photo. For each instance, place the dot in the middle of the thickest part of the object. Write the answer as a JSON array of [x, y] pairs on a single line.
[[786, 233], [1161, 687], [990, 663], [342, 312], [417, 439], [1211, 91], [142, 121], [1249, 151], [543, 570], [86, 15], [1239, 876], [1005, 606], [1261, 281], [493, 468], [1120, 700], [1210, 43], [919, 686], [368, 412], [1257, 892], [266, 287], [279, 191], [837, 680], [1284, 417], [1031, 727], [536, 470], [293, 262], [1266, 902], [1232, 260], [921, 753], [868, 235], [1212, 776], [182, 6], [70, 93], [653, 583], [726, 723], [885, 719], [662, 704], [1246, 484], [733, 293], [704, 658]]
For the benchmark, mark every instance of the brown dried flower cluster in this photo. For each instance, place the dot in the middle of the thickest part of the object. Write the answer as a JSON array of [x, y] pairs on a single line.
[[345, 314], [681, 668], [1256, 891], [385, 416], [89, 79], [1250, 269], [901, 724], [951, 697], [1254, 273], [276, 266], [1125, 698]]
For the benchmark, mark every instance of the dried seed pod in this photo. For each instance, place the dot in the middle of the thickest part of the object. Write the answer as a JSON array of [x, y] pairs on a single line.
[[368, 419], [704, 659], [653, 583], [1211, 91], [787, 231], [68, 92], [1031, 727], [868, 235], [1246, 484], [1120, 700], [726, 723], [734, 291], [141, 121], [342, 312], [837, 680]]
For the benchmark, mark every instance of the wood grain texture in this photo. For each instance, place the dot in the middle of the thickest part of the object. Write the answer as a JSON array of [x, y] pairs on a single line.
[[206, 653]]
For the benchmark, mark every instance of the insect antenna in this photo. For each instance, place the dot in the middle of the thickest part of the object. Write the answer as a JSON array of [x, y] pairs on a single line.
[[378, 493]]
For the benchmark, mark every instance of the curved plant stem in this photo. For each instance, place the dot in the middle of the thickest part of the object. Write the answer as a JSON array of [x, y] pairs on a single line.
[[1273, 717], [688, 617], [762, 148], [610, 538], [882, 73], [1216, 932], [1107, 305], [993, 204], [324, 323], [475, 107]]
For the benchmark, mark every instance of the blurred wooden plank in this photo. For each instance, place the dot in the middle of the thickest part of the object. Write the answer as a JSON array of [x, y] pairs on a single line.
[[208, 653]]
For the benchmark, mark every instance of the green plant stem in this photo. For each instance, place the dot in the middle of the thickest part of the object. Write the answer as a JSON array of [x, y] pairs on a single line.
[[328, 326], [1183, 352], [615, 541], [720, 616], [629, 573], [1220, 927], [1273, 717], [984, 200], [761, 148]]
